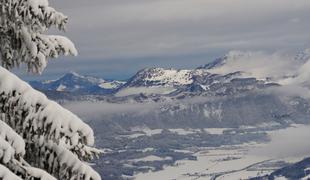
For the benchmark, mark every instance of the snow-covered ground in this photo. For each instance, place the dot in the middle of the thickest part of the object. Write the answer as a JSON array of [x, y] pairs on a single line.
[[241, 161], [142, 131], [151, 158], [145, 131], [184, 131], [216, 131]]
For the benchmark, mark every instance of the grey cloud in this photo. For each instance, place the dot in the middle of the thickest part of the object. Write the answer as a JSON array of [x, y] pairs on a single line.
[[108, 29], [132, 30], [95, 111], [291, 142]]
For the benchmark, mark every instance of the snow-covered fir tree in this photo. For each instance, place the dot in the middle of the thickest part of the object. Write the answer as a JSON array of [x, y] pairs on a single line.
[[38, 138]]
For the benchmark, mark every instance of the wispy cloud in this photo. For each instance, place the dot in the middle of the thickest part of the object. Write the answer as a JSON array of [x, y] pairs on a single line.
[[101, 110], [259, 64], [164, 27], [291, 142]]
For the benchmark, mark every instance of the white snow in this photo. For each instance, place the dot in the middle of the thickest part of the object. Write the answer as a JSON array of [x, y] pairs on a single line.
[[61, 87], [208, 163], [147, 131], [38, 173], [148, 149], [280, 178], [7, 152], [172, 76], [61, 119], [111, 85], [133, 136], [64, 126], [142, 131], [216, 131], [51, 129], [184, 131], [16, 141], [233, 162], [151, 158], [65, 44], [6, 174], [67, 158]]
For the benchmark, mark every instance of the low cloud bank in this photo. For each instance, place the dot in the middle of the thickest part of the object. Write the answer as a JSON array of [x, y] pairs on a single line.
[[98, 110], [291, 142], [259, 64], [290, 71]]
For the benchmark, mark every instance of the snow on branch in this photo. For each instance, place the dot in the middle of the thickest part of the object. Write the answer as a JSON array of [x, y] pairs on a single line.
[[54, 135], [7, 152], [17, 142], [23, 38], [6, 174], [32, 110]]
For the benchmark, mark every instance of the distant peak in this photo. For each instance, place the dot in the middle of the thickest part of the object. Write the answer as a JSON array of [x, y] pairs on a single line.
[[73, 73], [151, 69]]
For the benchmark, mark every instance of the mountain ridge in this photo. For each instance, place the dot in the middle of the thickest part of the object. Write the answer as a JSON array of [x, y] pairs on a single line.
[[74, 82]]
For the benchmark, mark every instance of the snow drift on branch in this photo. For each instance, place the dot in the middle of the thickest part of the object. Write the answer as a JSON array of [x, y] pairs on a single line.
[[23, 38], [51, 133]]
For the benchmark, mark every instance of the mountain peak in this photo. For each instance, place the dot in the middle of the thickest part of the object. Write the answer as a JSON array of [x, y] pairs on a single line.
[[74, 82], [73, 73], [161, 77]]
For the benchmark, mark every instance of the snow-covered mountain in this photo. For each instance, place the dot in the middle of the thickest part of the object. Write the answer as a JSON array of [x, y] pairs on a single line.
[[161, 77], [234, 72], [218, 95], [73, 82], [199, 81], [160, 81]]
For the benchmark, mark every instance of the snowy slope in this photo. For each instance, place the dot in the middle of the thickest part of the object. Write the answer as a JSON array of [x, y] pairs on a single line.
[[234, 72], [161, 77]]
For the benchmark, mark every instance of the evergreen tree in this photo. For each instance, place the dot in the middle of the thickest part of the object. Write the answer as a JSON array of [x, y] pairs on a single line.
[[38, 138]]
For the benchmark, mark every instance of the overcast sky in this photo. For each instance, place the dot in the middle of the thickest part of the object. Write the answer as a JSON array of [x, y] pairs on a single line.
[[115, 38]]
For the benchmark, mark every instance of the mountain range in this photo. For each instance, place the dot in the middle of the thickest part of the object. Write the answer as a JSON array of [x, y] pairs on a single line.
[[148, 81], [224, 99], [209, 96], [75, 83]]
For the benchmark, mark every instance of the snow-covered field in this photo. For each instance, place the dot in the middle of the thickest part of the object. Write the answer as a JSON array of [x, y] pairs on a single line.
[[241, 161], [145, 131], [151, 158]]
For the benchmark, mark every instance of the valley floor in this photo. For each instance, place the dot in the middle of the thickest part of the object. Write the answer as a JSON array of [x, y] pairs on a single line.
[[240, 161]]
